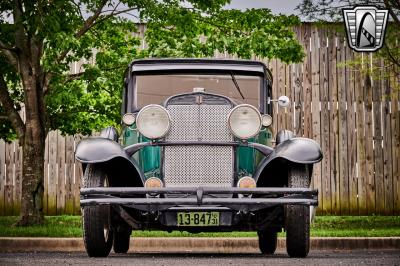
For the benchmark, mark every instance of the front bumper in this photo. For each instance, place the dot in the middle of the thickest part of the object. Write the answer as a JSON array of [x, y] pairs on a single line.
[[239, 199]]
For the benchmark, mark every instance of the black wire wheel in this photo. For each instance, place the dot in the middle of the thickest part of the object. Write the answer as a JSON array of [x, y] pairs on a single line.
[[97, 233], [297, 217]]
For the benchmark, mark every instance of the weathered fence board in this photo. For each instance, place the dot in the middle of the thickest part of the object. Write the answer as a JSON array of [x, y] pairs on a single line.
[[354, 118], [334, 129], [69, 174], [52, 178], [351, 137], [395, 126], [61, 183], [369, 148], [387, 154], [377, 140], [361, 167], [315, 104], [325, 123]]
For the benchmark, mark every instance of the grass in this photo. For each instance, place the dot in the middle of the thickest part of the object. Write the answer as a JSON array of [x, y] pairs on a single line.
[[323, 226]]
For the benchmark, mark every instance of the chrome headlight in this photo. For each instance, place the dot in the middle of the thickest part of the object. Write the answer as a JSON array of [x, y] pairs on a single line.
[[266, 120], [128, 119], [244, 121], [153, 121]]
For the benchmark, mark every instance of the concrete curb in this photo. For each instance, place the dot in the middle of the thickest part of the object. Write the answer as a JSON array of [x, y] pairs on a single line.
[[195, 245]]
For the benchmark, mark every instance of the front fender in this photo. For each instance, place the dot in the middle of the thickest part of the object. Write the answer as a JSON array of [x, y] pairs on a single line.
[[119, 166], [296, 150]]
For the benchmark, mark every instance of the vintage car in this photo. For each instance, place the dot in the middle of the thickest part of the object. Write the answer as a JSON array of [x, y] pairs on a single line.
[[197, 153]]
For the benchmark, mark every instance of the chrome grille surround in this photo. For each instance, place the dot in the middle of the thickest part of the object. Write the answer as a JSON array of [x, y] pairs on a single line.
[[193, 166]]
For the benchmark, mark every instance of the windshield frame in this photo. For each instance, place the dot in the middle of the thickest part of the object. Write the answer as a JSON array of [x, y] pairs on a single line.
[[130, 92]]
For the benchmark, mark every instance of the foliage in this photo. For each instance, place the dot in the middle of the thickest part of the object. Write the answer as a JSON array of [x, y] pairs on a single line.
[[323, 226], [232, 31], [100, 32]]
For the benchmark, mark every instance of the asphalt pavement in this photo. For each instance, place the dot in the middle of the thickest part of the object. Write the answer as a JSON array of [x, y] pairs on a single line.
[[359, 257]]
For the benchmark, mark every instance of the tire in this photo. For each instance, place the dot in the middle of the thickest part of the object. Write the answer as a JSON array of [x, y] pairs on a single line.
[[267, 241], [97, 235], [121, 241], [298, 216]]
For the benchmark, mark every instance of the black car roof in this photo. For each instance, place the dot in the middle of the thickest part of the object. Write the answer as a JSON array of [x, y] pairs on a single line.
[[197, 64]]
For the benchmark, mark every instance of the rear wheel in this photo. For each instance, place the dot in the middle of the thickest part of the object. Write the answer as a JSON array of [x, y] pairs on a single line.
[[267, 241], [298, 216], [121, 241], [97, 235]]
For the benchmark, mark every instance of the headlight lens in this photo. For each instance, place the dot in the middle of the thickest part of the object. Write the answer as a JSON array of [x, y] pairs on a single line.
[[244, 121], [266, 120], [128, 119], [153, 121]]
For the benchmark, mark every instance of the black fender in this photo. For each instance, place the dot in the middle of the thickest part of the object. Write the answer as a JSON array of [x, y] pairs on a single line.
[[121, 169], [293, 150]]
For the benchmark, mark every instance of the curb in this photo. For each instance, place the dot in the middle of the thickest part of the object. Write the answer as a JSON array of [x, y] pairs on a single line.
[[195, 245]]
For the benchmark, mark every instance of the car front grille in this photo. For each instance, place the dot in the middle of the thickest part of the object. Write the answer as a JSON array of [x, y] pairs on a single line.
[[192, 166]]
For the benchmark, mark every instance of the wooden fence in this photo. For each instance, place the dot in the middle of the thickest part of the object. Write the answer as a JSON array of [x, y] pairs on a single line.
[[355, 119]]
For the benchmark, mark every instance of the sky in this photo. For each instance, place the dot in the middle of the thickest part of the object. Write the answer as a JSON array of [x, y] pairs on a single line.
[[286, 7]]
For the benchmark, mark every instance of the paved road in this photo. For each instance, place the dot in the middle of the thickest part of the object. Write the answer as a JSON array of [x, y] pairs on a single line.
[[315, 258]]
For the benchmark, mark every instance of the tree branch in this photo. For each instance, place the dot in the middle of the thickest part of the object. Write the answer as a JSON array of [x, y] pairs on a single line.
[[74, 76], [86, 26], [78, 8], [389, 7], [94, 20], [4, 46], [91, 20], [78, 75], [10, 54], [12, 113], [392, 57]]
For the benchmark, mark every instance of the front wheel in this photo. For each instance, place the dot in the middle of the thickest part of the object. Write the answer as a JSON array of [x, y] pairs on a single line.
[[97, 235], [267, 241], [298, 216]]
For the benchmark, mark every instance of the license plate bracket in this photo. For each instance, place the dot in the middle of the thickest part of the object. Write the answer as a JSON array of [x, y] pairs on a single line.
[[197, 218]]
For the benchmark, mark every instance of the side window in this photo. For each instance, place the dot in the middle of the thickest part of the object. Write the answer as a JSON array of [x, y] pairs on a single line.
[[124, 89]]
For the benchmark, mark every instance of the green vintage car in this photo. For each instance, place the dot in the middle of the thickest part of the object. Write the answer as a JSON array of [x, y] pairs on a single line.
[[196, 154]]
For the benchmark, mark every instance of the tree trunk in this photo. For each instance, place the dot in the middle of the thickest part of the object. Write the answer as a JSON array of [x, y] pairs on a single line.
[[33, 155], [29, 51], [32, 177]]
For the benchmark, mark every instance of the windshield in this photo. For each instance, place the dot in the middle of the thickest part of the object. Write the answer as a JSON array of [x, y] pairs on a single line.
[[154, 89]]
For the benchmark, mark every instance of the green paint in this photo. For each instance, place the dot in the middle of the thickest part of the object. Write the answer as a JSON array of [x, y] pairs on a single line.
[[149, 158], [249, 158]]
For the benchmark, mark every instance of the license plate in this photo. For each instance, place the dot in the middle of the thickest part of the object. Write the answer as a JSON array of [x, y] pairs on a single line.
[[197, 218]]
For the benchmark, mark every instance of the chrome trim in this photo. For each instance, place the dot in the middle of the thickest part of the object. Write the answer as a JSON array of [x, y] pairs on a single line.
[[132, 149], [134, 197]]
